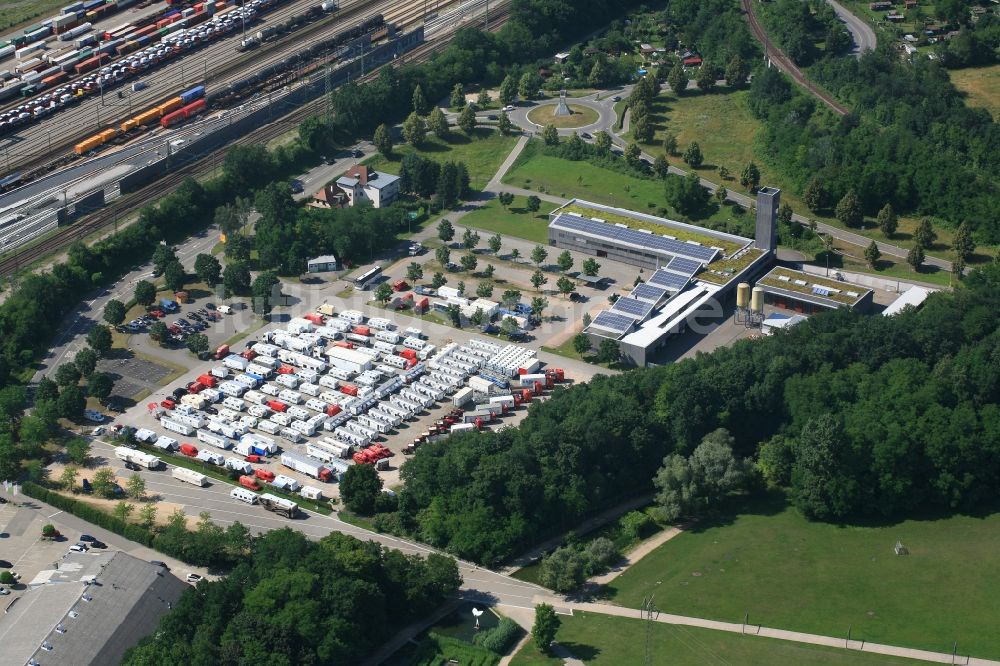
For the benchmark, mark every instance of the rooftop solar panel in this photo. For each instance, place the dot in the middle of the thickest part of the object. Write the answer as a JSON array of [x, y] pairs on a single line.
[[632, 307], [655, 242], [612, 322], [648, 292], [667, 280], [684, 265]]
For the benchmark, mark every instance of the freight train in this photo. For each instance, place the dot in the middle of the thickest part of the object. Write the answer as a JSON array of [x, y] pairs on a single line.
[[139, 49], [172, 112]]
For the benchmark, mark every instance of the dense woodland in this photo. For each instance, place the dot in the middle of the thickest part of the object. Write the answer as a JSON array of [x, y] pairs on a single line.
[[860, 416], [296, 601]]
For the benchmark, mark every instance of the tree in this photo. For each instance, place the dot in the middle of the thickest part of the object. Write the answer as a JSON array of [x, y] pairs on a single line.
[[85, 361], [550, 135], [633, 155], [469, 262], [104, 482], [677, 79], [159, 332], [602, 141], [123, 510], [685, 193], [478, 317], [815, 195], [661, 167], [236, 278], [100, 385], [924, 235], [504, 124], [446, 231], [750, 177], [642, 128], [565, 285], [147, 516], [693, 155], [962, 244], [438, 123], [443, 255], [823, 485], [721, 194], [382, 139], [483, 99], [515, 254], [470, 239], [509, 327], [383, 293], [414, 130], [494, 243], [458, 96], [533, 203], [538, 255], [564, 261], [687, 486], [563, 570], [264, 290], [598, 74], [78, 450], [608, 351], [488, 271], [508, 90], [438, 280], [67, 480], [546, 625], [538, 279], [510, 298], [114, 312], [67, 374], [538, 305], [737, 72], [48, 390], [785, 214], [162, 256], [419, 101], [99, 339], [414, 272], [360, 488], [528, 85], [872, 254], [505, 199], [915, 257], [670, 143], [887, 221], [706, 77], [591, 267], [581, 343], [145, 293], [135, 487], [848, 210], [467, 120], [197, 343], [208, 269], [485, 289]]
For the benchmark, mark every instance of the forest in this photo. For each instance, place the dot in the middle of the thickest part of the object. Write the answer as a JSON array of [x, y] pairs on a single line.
[[295, 601], [860, 417]]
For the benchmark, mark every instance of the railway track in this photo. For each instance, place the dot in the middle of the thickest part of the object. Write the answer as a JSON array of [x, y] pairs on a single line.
[[156, 190], [785, 64]]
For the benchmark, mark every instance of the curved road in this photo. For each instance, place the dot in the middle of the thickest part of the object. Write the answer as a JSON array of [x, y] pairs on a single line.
[[861, 32]]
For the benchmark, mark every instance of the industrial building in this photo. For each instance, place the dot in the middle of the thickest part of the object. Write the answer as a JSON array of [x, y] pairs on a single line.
[[694, 269], [88, 611], [807, 294], [323, 264]]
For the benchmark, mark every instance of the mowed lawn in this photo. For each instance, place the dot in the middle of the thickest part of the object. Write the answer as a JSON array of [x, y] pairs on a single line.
[[981, 85], [515, 221], [605, 640], [482, 154], [790, 573]]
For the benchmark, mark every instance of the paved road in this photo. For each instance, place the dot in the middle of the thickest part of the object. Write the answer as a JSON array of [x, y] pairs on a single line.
[[864, 36]]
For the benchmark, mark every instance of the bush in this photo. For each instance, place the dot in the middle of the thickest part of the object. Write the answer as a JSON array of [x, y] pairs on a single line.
[[7, 578], [500, 638]]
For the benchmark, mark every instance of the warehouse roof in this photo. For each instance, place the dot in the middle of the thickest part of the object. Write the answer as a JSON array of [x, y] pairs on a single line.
[[912, 297], [810, 288], [89, 611]]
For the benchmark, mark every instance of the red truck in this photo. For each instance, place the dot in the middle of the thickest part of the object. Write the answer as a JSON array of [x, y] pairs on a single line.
[[400, 285], [195, 387], [277, 405], [221, 352], [332, 410], [361, 330], [248, 354], [249, 482], [190, 450], [348, 389], [207, 380], [286, 370], [264, 474], [315, 317]]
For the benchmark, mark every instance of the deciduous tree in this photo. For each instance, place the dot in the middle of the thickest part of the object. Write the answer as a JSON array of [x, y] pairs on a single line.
[[849, 211], [114, 312]]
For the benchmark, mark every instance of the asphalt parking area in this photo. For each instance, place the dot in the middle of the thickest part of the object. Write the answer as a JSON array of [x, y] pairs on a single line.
[[132, 375]]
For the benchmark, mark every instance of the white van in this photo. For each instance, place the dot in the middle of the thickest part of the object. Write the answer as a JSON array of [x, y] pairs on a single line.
[[243, 494], [225, 309]]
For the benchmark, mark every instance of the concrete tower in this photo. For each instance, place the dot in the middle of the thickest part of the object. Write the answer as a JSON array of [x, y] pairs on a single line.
[[563, 108], [766, 236]]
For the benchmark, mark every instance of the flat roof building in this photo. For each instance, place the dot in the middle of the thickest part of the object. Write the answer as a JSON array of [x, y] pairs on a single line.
[[806, 293], [913, 297], [88, 611]]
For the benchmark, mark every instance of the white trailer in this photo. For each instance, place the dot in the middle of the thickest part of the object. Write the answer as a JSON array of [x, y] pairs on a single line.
[[264, 349], [271, 389], [288, 381], [381, 324], [189, 476], [311, 493], [371, 424], [298, 413], [286, 483], [234, 389], [193, 400], [222, 372], [259, 369], [290, 434], [270, 427], [306, 465], [304, 427], [291, 397], [137, 457], [309, 388], [281, 418], [177, 426], [462, 396], [236, 404], [217, 440], [145, 435], [166, 443], [247, 381], [212, 458], [255, 397], [236, 362]]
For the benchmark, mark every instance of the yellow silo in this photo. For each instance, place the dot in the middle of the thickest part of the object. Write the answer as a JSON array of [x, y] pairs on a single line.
[[743, 295], [757, 300]]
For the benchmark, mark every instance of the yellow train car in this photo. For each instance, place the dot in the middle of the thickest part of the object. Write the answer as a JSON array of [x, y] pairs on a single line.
[[108, 134], [167, 107], [87, 145]]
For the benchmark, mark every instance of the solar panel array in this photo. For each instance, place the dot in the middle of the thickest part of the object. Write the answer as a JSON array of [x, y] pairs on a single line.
[[683, 266], [611, 232], [648, 292], [672, 281], [612, 322], [632, 307]]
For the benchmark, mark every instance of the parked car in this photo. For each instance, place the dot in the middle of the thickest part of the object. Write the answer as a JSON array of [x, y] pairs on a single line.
[[93, 415], [616, 98], [209, 306], [193, 578], [297, 186], [78, 548], [157, 313], [160, 564], [86, 538], [508, 108]]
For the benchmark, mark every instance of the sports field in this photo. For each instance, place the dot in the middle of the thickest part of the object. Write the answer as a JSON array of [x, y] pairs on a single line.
[[766, 560]]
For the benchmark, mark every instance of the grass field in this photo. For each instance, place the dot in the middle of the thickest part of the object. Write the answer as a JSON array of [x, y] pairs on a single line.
[[16, 12], [514, 221], [607, 640], [981, 85], [482, 154], [544, 115], [766, 560]]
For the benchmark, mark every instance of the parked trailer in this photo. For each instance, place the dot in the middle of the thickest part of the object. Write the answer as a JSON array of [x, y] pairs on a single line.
[[177, 426], [278, 505], [217, 440], [166, 443], [137, 457], [189, 476], [290, 434], [305, 465]]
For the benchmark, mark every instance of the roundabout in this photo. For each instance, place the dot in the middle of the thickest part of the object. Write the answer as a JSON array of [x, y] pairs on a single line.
[[581, 116]]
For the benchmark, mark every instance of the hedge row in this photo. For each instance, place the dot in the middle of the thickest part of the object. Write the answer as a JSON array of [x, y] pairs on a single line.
[[100, 518]]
